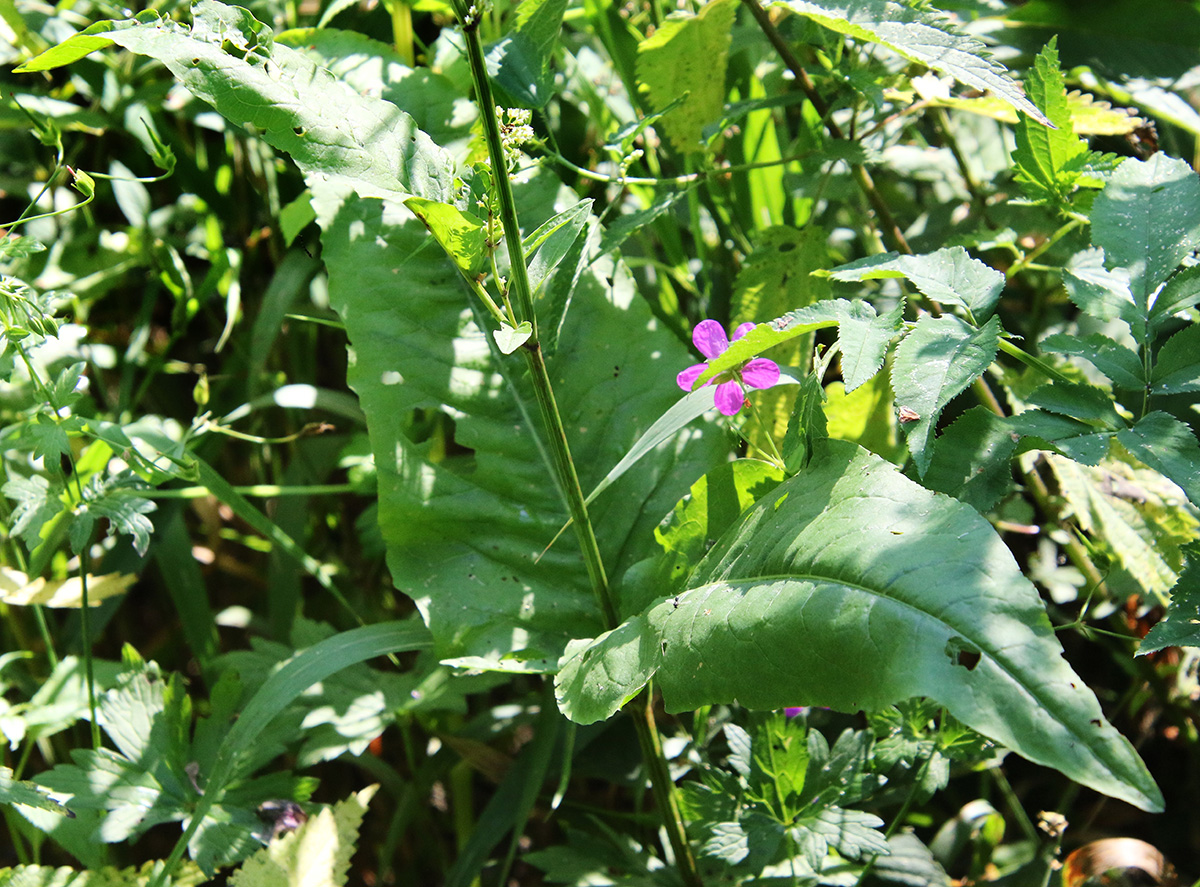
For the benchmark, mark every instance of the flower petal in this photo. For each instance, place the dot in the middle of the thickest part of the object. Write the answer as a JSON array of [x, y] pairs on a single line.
[[730, 398], [688, 377], [742, 330], [709, 336], [760, 373]]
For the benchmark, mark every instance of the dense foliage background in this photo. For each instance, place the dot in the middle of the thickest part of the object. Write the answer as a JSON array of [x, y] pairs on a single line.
[[276, 391]]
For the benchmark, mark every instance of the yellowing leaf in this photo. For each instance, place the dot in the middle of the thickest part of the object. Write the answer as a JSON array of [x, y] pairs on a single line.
[[684, 61], [17, 589]]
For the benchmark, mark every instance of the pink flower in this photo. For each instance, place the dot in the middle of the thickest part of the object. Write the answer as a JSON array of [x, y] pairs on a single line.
[[730, 396]]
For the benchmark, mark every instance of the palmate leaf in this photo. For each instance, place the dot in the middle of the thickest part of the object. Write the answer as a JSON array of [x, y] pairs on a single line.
[[464, 536], [231, 61], [850, 586], [919, 35]]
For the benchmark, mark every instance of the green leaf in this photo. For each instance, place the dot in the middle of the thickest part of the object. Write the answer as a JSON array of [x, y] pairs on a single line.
[[949, 276], [1180, 625], [866, 341], [1147, 220], [1131, 515], [1177, 365], [800, 605], [1101, 292], [116, 500], [37, 502], [465, 536], [1180, 293], [509, 339], [685, 59], [231, 61], [459, 233], [318, 852], [924, 36], [1168, 446], [1119, 363], [972, 461], [933, 365], [29, 794], [1048, 161], [520, 62]]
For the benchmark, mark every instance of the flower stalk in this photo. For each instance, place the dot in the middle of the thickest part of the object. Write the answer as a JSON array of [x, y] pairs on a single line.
[[662, 785]]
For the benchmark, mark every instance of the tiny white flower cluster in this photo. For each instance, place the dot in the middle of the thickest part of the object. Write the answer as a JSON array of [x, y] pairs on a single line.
[[515, 131], [472, 17]]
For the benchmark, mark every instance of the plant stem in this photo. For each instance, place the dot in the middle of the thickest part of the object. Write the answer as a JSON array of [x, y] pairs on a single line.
[[640, 709], [887, 222]]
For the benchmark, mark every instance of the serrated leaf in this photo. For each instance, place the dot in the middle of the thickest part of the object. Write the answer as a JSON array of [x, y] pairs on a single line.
[[231, 61], [1042, 430], [1180, 293], [800, 604], [1129, 515], [933, 365], [854, 834], [37, 501], [317, 853], [949, 276], [863, 339], [685, 60], [1079, 401], [972, 460], [520, 62], [1147, 220], [1169, 447], [919, 35], [1180, 625], [1119, 363], [115, 499], [1047, 160], [29, 794], [1177, 364], [1102, 292]]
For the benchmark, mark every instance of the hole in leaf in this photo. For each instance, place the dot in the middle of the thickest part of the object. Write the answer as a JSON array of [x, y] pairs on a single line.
[[963, 653]]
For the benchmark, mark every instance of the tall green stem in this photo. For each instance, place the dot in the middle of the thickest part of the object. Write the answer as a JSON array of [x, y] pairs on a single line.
[[661, 783]]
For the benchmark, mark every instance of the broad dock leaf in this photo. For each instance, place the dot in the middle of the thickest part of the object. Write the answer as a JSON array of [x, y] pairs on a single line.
[[466, 535], [852, 587]]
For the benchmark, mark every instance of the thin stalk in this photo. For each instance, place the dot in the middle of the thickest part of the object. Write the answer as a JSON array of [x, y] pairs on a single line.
[[402, 30], [661, 783], [887, 222]]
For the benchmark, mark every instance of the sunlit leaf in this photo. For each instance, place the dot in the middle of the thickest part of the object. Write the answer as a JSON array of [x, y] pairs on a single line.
[[801, 602]]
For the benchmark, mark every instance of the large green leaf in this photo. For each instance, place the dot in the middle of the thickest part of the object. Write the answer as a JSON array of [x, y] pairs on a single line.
[[465, 535], [850, 586], [231, 61], [919, 35]]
